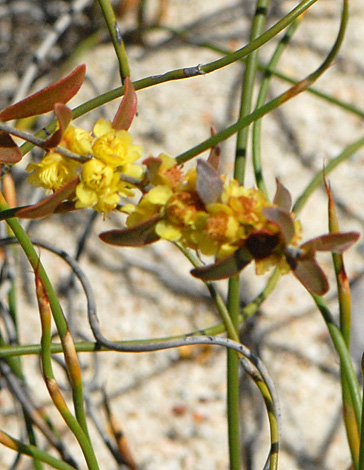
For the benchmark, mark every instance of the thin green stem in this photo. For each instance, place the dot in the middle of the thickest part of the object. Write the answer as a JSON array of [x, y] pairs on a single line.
[[318, 178], [344, 356], [116, 38], [233, 303], [344, 298], [361, 448], [51, 383], [247, 90], [89, 346], [264, 68], [233, 402], [276, 102], [262, 96], [260, 40]]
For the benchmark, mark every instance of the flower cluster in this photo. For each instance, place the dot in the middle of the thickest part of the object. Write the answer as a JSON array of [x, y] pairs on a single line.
[[110, 156], [204, 212]]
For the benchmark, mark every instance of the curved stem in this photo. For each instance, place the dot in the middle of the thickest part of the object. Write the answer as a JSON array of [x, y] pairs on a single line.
[[79, 428], [33, 451]]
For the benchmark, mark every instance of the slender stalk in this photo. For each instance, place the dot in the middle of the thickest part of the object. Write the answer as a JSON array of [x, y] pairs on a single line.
[[50, 380], [90, 346], [317, 180], [344, 298], [361, 450], [247, 90], [344, 356], [233, 303], [337, 102], [233, 402], [262, 96], [116, 38], [276, 102]]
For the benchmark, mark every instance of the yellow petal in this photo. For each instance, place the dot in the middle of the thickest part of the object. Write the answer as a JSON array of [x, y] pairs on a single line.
[[168, 231], [160, 194], [86, 196], [102, 127], [134, 171]]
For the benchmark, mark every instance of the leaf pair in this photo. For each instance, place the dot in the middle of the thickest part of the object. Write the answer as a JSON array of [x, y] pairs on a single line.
[[40, 102], [54, 97]]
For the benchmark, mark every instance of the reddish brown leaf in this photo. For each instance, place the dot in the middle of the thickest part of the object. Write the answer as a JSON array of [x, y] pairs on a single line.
[[311, 276], [127, 109], [224, 268], [282, 197], [50, 204], [9, 151], [214, 155], [334, 242], [64, 117], [139, 235], [44, 100], [283, 219]]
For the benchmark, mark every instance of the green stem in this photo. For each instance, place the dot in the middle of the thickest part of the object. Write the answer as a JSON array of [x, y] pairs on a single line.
[[276, 102], [318, 178], [262, 96], [344, 298], [247, 90], [116, 38], [344, 356], [233, 402], [361, 448], [264, 68], [89, 346], [233, 303]]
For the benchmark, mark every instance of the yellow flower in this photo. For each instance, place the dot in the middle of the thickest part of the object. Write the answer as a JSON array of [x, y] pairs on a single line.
[[247, 204], [53, 172], [114, 148], [163, 170], [100, 187]]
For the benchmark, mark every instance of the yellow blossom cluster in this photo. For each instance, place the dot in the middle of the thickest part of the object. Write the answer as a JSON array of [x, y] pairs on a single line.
[[197, 208], [109, 154]]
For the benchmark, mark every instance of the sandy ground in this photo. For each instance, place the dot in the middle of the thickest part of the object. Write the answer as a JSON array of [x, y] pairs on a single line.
[[171, 405]]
